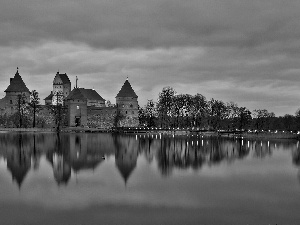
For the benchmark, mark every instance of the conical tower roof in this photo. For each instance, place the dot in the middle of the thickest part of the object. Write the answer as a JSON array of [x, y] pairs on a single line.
[[17, 84], [126, 91]]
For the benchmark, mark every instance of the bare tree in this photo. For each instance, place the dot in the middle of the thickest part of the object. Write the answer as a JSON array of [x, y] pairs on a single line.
[[21, 107], [34, 104], [58, 111]]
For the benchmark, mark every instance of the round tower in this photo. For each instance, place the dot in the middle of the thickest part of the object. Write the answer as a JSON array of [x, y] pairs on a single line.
[[127, 106], [16, 87]]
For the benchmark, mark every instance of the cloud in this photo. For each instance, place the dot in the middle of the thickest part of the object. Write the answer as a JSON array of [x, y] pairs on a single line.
[[150, 24], [233, 50]]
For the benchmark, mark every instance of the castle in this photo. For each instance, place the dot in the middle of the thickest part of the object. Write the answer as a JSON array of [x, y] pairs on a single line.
[[84, 107], [16, 88]]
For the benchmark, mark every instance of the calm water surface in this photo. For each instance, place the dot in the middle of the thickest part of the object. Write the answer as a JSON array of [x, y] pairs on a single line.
[[127, 179]]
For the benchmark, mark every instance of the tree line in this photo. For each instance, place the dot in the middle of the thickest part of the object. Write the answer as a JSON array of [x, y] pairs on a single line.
[[174, 110], [171, 110]]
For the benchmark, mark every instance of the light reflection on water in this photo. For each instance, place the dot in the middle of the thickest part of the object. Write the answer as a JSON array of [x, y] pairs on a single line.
[[230, 181]]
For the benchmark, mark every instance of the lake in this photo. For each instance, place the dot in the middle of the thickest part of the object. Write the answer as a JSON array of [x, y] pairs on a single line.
[[89, 178]]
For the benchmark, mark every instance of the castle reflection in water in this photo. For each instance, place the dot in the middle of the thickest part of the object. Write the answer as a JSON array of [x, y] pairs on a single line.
[[71, 153]]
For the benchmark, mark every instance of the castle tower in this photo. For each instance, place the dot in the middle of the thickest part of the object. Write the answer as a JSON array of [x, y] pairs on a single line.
[[61, 88], [127, 106], [16, 87]]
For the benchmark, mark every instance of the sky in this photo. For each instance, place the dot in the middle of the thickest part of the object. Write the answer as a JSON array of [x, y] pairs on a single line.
[[243, 51]]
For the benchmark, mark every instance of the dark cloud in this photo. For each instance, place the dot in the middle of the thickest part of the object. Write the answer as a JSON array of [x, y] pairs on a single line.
[[151, 24], [234, 50]]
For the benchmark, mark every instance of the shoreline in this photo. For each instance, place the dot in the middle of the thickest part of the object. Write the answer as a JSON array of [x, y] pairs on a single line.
[[260, 135]]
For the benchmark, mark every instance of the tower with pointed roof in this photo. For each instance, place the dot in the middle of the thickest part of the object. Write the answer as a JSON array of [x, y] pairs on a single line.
[[15, 88], [127, 106], [61, 88]]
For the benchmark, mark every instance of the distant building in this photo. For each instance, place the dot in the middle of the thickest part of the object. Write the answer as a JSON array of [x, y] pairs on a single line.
[[127, 105], [48, 99], [87, 108], [76, 103], [61, 88], [17, 87]]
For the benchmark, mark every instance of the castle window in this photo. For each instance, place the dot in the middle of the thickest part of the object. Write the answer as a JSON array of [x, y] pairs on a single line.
[[10, 101], [123, 105], [78, 100], [131, 105], [132, 112], [78, 107], [126, 112]]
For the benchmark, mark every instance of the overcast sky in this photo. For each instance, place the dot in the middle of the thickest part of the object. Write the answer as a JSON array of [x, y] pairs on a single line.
[[246, 51]]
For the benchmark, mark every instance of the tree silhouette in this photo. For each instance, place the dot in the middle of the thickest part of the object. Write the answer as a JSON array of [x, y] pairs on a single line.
[[34, 104]]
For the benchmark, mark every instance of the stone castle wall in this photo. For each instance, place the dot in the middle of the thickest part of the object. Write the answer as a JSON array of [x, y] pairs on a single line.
[[103, 117]]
